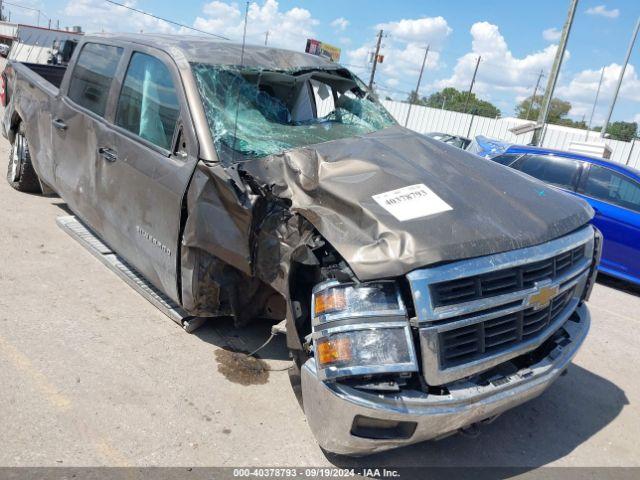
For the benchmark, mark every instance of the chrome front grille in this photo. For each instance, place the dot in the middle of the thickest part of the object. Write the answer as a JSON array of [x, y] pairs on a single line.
[[492, 336], [504, 281], [477, 313]]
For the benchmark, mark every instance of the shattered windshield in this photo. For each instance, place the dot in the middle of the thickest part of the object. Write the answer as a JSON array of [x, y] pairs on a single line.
[[259, 112]]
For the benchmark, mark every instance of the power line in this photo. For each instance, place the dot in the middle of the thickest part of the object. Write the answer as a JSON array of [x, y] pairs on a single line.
[[168, 21], [39, 12]]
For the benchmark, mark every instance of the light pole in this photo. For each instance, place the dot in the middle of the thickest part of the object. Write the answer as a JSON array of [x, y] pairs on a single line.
[[535, 91], [624, 67], [375, 60], [595, 102], [424, 61], [473, 80], [538, 134]]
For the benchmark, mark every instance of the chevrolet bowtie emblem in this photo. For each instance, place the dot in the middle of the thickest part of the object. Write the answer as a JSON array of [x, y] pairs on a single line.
[[542, 298]]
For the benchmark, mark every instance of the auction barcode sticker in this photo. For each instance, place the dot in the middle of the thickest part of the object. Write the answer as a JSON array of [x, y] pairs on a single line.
[[411, 202]]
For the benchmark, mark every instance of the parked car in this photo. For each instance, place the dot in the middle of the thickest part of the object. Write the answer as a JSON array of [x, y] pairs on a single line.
[[456, 141], [423, 291], [612, 190]]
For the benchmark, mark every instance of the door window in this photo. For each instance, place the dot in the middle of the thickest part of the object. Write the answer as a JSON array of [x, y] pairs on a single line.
[[558, 171], [92, 76], [609, 186], [148, 104]]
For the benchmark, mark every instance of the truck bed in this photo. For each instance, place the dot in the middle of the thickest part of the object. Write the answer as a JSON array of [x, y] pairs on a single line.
[[52, 73]]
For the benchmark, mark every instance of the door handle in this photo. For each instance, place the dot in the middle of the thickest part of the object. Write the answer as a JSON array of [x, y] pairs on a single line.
[[59, 124], [108, 154]]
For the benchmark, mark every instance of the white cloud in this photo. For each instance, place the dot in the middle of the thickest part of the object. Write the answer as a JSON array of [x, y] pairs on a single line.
[[551, 34], [403, 50], [288, 29], [636, 118], [581, 90], [340, 24], [426, 30], [96, 16], [499, 70], [602, 11]]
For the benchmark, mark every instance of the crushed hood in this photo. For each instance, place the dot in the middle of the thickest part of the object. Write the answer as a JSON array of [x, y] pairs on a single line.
[[468, 207]]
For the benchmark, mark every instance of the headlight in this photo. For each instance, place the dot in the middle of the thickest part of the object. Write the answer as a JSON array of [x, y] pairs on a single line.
[[361, 329], [333, 300]]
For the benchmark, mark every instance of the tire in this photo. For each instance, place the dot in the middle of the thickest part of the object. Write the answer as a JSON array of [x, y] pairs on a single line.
[[20, 172]]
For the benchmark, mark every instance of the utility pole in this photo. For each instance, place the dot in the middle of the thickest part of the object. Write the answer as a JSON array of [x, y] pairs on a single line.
[[595, 102], [375, 60], [624, 67], [473, 80], [266, 37], [553, 75], [424, 62], [1, 15], [535, 91]]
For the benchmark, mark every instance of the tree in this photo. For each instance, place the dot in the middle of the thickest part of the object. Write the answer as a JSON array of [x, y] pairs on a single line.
[[558, 110], [455, 100], [625, 131]]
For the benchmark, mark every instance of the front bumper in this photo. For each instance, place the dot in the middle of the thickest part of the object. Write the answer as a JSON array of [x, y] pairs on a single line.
[[332, 407]]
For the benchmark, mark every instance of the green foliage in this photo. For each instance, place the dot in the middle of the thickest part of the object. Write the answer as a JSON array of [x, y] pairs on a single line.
[[558, 111], [625, 131], [455, 100]]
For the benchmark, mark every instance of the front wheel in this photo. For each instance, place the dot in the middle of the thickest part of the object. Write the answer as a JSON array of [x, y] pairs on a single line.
[[20, 172]]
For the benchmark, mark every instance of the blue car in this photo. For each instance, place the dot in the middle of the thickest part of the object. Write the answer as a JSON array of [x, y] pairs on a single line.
[[612, 189]]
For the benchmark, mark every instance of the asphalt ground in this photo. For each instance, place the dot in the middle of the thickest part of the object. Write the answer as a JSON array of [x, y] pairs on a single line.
[[91, 374]]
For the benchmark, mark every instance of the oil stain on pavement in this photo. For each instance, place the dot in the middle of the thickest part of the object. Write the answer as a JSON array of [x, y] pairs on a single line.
[[238, 367]]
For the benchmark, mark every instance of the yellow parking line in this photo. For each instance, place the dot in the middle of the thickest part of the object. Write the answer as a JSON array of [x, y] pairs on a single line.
[[22, 363], [59, 401]]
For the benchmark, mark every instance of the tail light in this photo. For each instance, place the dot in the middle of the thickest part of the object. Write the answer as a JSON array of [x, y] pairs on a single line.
[[3, 90]]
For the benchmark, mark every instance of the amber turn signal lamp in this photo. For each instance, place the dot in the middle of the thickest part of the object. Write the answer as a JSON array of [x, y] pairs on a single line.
[[332, 300], [331, 351]]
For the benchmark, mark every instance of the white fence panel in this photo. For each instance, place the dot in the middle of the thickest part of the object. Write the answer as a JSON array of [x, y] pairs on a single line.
[[425, 119]]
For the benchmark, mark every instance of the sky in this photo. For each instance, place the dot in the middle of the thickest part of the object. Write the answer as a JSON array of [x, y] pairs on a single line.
[[515, 40]]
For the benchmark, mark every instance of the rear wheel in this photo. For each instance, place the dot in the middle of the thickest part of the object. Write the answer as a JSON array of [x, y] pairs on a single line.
[[20, 172]]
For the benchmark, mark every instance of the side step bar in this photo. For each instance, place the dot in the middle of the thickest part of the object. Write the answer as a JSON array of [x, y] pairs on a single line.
[[90, 241]]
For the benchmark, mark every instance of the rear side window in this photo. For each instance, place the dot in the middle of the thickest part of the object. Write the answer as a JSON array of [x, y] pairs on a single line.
[[92, 76], [148, 104], [558, 171], [609, 186]]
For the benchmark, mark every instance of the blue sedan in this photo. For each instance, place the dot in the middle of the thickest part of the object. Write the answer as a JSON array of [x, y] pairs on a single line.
[[612, 189]]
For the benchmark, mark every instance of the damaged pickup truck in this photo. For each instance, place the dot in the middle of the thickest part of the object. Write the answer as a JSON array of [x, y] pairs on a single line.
[[425, 291]]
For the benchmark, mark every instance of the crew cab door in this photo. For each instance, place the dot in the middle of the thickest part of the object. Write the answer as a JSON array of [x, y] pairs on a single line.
[[616, 201], [78, 120], [144, 165]]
